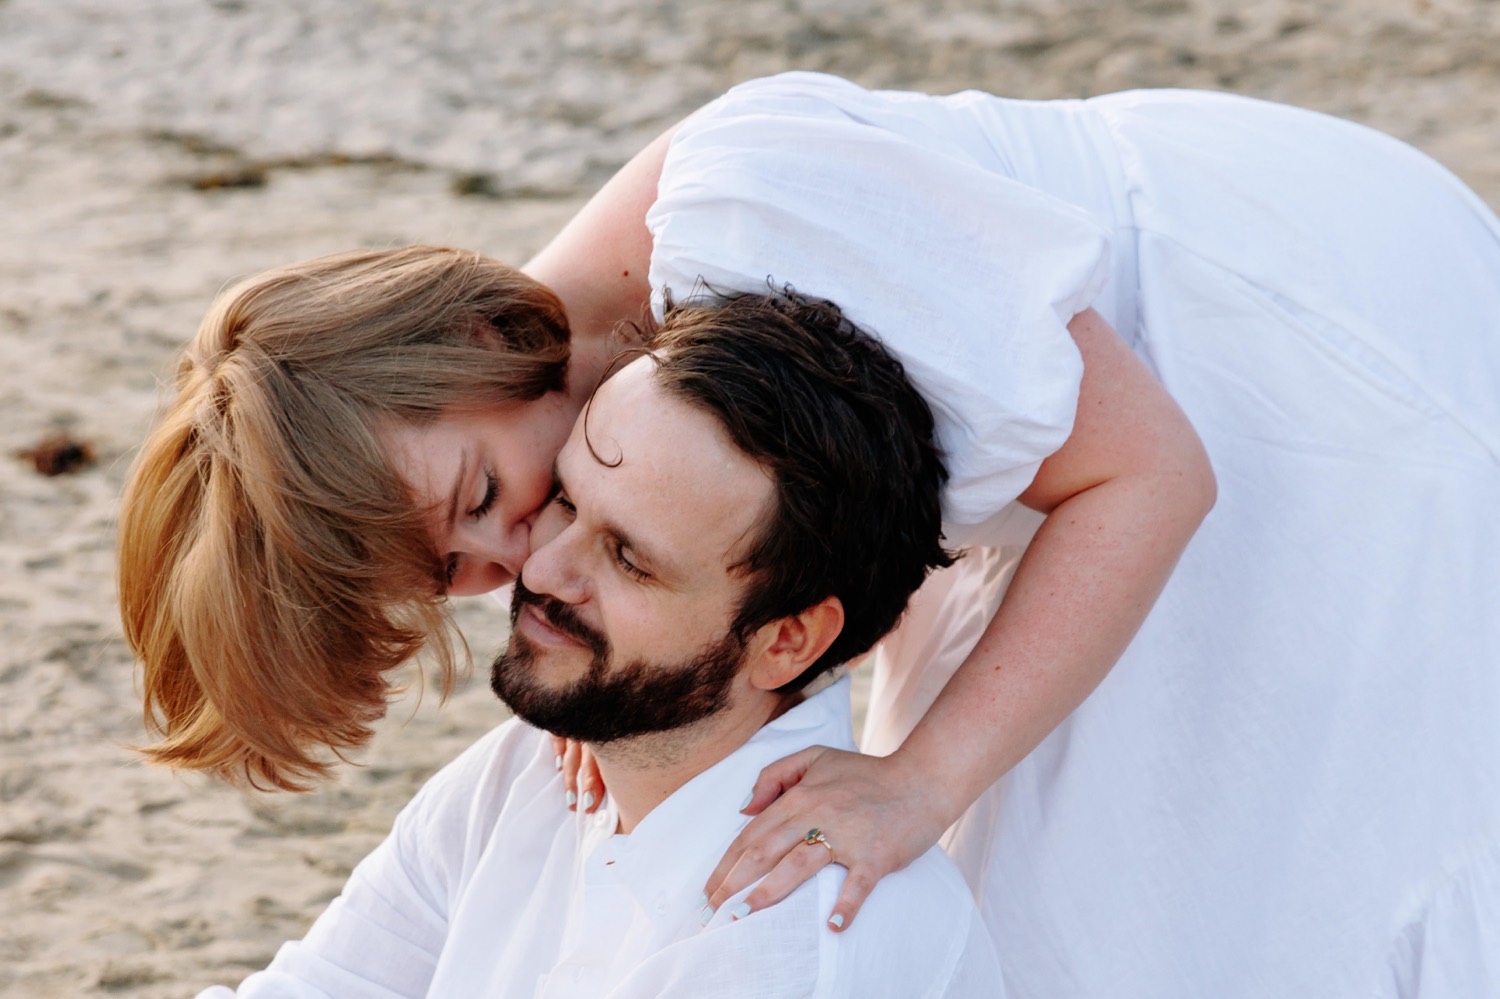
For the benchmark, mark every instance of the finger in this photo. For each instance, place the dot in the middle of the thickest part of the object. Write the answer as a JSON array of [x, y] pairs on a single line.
[[750, 858], [802, 863], [857, 887], [559, 746], [775, 779], [590, 782], [571, 758]]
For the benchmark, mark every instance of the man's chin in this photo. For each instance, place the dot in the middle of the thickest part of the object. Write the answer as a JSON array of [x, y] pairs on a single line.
[[593, 702], [541, 706], [523, 673]]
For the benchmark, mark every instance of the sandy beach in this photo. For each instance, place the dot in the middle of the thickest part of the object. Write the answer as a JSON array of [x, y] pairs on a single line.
[[151, 152]]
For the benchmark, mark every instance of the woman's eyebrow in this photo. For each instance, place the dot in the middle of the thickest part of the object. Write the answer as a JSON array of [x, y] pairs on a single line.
[[455, 500]]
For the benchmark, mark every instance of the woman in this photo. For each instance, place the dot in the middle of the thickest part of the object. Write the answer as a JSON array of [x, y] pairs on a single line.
[[1287, 784]]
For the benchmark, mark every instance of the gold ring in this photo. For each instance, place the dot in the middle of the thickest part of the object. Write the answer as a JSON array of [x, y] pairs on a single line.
[[815, 837]]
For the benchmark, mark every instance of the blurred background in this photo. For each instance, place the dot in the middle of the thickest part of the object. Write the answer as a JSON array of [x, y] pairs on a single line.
[[151, 152]]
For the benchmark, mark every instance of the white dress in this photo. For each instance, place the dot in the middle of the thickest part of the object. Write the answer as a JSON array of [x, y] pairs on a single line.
[[1289, 786]]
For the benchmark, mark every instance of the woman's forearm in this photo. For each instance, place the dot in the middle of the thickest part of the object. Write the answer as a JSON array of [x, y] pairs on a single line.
[[1123, 497], [1082, 589]]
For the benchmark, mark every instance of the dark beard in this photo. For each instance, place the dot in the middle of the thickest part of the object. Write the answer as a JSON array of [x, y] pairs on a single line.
[[609, 702]]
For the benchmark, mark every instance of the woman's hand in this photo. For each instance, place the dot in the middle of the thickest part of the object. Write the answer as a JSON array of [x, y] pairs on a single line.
[[581, 780], [876, 813]]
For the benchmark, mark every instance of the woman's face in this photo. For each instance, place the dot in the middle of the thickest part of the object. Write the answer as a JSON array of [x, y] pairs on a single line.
[[483, 475]]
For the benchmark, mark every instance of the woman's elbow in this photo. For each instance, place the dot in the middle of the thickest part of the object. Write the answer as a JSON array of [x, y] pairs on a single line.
[[1199, 485]]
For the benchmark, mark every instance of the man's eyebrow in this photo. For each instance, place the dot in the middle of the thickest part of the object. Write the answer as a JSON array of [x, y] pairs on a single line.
[[663, 568], [659, 566]]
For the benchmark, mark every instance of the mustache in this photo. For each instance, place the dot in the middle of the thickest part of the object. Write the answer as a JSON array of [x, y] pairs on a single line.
[[559, 615]]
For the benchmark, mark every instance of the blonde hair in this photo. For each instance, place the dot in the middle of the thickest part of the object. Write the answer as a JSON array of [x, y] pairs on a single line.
[[273, 566]]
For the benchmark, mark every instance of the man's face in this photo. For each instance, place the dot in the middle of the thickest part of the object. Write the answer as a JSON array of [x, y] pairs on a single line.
[[620, 622]]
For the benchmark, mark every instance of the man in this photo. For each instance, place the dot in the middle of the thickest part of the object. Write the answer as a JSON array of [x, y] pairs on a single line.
[[735, 515]]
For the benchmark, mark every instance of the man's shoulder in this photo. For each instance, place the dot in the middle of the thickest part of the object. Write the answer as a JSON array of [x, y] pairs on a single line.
[[918, 935], [484, 776], [919, 927], [930, 888]]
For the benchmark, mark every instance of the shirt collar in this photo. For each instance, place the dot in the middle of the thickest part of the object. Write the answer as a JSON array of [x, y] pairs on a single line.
[[674, 848]]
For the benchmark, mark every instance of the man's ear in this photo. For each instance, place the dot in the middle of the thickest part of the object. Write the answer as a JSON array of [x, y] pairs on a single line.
[[782, 650]]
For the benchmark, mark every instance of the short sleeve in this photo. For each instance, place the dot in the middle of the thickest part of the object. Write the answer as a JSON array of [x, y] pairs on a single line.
[[968, 276]]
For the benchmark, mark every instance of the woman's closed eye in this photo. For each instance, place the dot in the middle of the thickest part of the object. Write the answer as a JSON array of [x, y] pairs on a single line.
[[491, 493], [486, 504]]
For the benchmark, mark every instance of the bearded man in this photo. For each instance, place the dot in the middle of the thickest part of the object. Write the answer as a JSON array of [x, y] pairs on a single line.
[[738, 511]]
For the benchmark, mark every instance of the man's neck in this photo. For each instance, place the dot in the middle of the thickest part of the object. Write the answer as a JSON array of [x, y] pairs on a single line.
[[642, 772]]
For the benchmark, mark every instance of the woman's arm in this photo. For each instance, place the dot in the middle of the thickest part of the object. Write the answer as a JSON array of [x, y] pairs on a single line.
[[1122, 496], [598, 263]]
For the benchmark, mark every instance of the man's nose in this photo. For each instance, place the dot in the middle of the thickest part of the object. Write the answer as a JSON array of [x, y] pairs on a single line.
[[552, 568]]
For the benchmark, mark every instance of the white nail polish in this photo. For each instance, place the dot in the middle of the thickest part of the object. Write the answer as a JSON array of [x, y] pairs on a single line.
[[588, 800], [702, 899], [836, 920], [746, 803], [557, 762], [706, 915], [572, 799], [740, 911]]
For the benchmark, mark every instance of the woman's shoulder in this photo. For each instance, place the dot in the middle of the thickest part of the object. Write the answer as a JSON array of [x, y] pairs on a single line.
[[793, 84], [797, 94], [806, 94]]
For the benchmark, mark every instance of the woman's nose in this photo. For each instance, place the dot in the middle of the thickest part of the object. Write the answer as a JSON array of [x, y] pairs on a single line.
[[485, 561], [514, 547]]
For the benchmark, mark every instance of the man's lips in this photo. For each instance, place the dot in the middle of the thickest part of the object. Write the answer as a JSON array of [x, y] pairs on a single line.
[[534, 625]]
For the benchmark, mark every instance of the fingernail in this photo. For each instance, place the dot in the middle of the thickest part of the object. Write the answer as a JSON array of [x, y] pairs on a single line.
[[572, 799], [557, 762], [588, 800], [746, 803], [702, 899], [706, 915], [836, 920], [740, 911]]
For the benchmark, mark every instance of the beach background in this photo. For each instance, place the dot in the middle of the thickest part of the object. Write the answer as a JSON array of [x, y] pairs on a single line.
[[152, 151]]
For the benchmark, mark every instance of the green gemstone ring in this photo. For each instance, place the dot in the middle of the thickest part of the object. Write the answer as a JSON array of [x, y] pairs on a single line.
[[815, 837]]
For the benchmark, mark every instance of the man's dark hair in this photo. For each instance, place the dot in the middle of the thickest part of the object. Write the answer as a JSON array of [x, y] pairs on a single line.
[[848, 441]]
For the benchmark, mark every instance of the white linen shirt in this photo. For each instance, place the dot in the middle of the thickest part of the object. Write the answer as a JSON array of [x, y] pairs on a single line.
[[489, 887]]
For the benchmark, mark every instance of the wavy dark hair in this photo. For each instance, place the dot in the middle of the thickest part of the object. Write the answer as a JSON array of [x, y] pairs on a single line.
[[850, 444]]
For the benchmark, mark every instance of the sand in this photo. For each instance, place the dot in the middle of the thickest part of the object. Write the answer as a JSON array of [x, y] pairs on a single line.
[[152, 151]]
